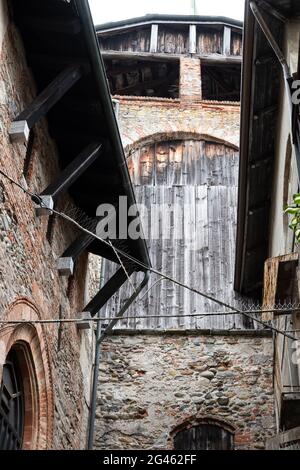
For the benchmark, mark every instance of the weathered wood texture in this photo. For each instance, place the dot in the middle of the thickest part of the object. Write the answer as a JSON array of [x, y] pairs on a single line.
[[137, 40], [173, 40], [200, 179], [209, 41], [236, 44]]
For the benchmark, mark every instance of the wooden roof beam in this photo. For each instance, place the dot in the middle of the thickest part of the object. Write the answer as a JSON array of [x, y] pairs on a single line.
[[20, 127], [164, 57], [107, 291], [67, 177]]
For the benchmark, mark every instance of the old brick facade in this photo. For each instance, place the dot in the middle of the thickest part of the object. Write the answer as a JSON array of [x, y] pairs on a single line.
[[57, 359]]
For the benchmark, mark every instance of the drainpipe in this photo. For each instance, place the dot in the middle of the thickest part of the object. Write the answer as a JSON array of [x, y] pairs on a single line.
[[288, 78], [99, 339]]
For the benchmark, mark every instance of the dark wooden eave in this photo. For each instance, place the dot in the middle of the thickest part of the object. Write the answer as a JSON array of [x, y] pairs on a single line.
[[57, 34], [171, 19], [261, 85]]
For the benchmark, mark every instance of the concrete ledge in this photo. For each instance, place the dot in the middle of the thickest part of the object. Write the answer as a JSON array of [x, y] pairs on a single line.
[[251, 333]]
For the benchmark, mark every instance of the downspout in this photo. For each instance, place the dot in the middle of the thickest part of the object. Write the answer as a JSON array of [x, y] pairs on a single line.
[[99, 339], [288, 78]]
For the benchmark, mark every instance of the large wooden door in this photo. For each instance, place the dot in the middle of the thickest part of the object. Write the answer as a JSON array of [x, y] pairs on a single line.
[[204, 437]]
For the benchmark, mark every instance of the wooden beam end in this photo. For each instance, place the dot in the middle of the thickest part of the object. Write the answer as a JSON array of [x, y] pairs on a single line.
[[65, 266], [84, 321], [19, 132], [47, 204]]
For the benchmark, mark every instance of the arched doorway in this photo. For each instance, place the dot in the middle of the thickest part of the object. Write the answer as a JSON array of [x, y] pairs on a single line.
[[26, 389], [12, 404], [203, 433], [204, 436]]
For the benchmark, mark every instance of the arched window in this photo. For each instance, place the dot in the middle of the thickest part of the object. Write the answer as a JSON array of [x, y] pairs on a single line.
[[204, 436], [12, 405]]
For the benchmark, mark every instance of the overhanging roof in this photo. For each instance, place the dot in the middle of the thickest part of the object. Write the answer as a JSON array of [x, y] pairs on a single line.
[[57, 33], [261, 85], [179, 19]]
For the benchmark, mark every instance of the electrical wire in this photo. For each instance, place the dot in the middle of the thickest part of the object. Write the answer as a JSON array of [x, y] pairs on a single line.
[[103, 319], [36, 198], [122, 265]]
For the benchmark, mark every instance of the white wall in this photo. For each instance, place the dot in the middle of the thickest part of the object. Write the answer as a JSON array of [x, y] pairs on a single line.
[[281, 236]]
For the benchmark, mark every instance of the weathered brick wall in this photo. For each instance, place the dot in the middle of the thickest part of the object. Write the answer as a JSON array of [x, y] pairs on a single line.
[[150, 384], [190, 79], [30, 286], [150, 119]]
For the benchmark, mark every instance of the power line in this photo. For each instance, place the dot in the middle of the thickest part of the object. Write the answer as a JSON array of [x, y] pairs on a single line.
[[187, 315], [36, 198]]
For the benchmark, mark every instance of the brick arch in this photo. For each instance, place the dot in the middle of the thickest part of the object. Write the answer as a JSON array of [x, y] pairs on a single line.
[[29, 341], [175, 135], [197, 420]]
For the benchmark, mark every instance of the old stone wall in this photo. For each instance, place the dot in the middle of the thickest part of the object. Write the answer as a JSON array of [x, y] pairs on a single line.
[[152, 384], [30, 287]]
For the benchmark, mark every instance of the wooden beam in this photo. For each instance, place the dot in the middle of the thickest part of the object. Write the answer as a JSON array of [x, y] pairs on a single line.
[[68, 176], [65, 264], [192, 39], [227, 41], [217, 59], [20, 127], [107, 291], [154, 38]]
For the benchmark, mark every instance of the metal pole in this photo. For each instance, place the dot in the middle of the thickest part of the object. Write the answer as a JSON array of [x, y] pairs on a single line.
[[90, 437]]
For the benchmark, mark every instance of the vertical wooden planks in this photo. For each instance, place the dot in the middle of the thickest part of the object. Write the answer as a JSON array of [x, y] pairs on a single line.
[[198, 181]]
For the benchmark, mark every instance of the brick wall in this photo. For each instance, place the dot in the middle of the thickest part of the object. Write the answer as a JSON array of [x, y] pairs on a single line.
[[151, 384], [190, 79], [30, 287], [149, 119]]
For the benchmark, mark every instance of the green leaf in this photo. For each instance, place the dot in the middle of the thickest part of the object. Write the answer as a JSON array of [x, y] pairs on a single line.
[[292, 210], [296, 198], [294, 222]]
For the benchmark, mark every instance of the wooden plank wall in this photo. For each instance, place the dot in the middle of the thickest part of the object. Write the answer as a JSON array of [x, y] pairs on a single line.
[[137, 40], [209, 41], [236, 44], [200, 179], [173, 40]]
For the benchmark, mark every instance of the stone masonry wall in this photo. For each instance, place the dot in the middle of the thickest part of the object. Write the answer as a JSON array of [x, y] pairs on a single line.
[[150, 384], [30, 286]]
